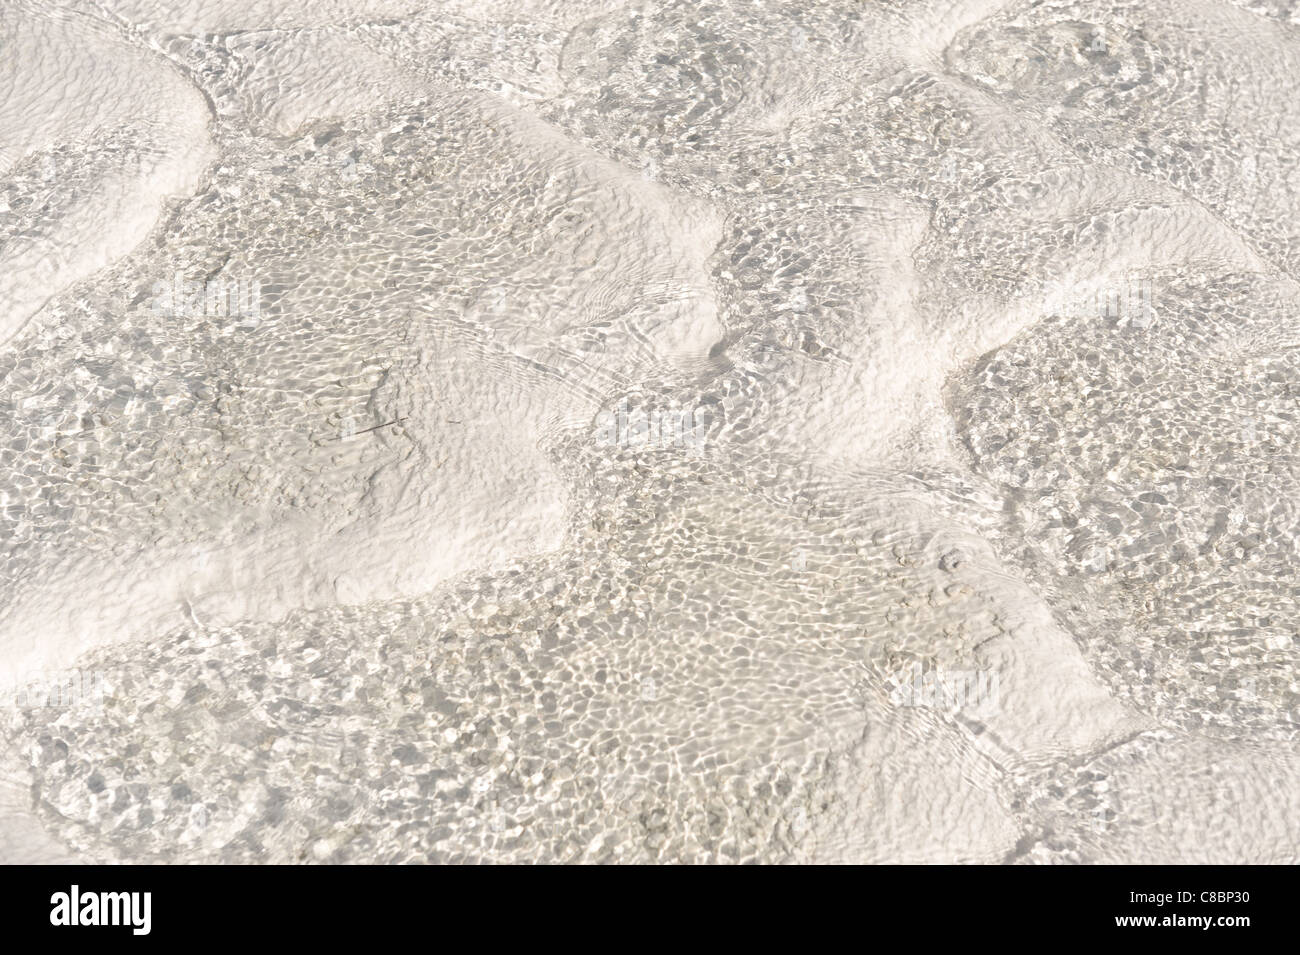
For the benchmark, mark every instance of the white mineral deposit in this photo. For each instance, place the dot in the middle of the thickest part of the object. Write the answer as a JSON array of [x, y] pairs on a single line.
[[597, 431]]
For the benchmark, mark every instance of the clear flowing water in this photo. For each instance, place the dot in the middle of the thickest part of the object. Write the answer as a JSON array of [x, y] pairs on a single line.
[[649, 432]]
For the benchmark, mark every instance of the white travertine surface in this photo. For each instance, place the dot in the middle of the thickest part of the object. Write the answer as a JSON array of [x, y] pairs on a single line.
[[649, 432]]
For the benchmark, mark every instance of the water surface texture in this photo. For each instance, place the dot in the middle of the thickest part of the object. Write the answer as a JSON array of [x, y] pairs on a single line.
[[584, 431]]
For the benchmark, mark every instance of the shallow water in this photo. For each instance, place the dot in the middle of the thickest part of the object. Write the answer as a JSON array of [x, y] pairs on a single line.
[[675, 432]]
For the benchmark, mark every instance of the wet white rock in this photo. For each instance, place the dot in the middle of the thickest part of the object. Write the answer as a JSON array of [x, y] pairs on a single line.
[[316, 544]]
